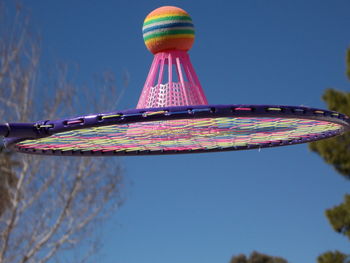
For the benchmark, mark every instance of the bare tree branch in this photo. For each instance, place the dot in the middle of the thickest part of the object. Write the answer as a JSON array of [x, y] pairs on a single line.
[[5, 237], [59, 220], [50, 204]]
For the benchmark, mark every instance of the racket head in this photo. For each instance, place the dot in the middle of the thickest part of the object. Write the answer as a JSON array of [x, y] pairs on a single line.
[[183, 129]]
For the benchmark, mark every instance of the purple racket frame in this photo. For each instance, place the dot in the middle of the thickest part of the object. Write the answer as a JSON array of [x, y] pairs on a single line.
[[165, 122], [18, 132]]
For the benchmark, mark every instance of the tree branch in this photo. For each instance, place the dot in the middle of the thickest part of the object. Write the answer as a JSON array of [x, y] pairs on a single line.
[[59, 220], [14, 209]]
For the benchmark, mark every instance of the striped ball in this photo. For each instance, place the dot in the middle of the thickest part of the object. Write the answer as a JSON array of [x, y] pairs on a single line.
[[168, 28]]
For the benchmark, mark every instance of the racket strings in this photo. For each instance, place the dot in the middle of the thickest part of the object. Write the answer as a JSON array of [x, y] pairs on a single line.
[[184, 135]]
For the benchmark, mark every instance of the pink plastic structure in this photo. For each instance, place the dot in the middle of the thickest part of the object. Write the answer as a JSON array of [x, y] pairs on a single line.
[[171, 81]]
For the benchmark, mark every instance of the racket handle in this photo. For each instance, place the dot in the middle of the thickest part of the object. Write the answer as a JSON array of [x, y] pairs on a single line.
[[18, 130]]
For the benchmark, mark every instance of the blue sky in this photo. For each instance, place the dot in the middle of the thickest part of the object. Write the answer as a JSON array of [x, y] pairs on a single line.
[[207, 207]]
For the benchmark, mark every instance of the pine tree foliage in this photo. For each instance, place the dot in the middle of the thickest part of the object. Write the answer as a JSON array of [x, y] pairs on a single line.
[[339, 217], [333, 257], [336, 151], [256, 257]]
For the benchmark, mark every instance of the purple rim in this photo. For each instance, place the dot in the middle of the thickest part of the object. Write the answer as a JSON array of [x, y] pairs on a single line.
[[20, 132]]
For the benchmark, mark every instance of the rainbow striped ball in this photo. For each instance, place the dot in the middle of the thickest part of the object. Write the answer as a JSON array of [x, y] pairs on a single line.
[[168, 28]]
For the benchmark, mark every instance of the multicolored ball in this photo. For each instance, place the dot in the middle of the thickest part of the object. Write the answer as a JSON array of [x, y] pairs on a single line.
[[168, 28]]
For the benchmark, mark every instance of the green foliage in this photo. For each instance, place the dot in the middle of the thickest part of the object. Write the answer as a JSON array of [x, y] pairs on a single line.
[[333, 257], [336, 151], [257, 257], [337, 100], [339, 217]]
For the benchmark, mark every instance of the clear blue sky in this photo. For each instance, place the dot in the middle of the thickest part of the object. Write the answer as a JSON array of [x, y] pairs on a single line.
[[206, 207]]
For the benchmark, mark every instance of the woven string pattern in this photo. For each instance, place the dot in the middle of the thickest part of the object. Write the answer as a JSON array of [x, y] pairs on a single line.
[[183, 135]]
